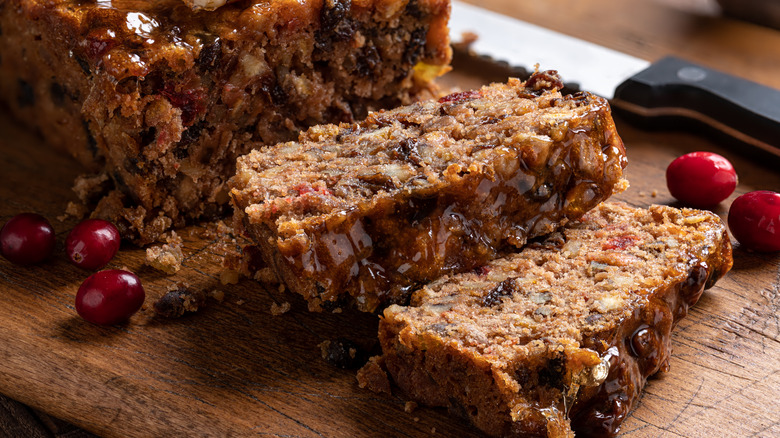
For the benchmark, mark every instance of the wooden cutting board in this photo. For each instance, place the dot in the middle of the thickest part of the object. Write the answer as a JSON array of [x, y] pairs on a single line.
[[233, 369]]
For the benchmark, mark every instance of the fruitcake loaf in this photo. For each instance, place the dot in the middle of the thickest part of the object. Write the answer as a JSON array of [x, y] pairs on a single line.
[[365, 213], [165, 98], [562, 335]]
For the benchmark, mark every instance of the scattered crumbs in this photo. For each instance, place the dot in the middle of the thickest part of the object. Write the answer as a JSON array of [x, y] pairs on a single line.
[[433, 430], [265, 275], [337, 310], [217, 295], [416, 419], [279, 309], [342, 353], [410, 407], [179, 299], [166, 257], [654, 193], [281, 288], [228, 276], [240, 303], [642, 194]]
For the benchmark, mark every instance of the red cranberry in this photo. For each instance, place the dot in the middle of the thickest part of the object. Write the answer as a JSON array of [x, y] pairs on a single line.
[[109, 297], [26, 239], [754, 220], [701, 179], [92, 243]]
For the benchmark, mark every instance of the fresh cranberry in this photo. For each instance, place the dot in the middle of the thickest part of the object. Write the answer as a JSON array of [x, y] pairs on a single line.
[[26, 239], [701, 179], [109, 297], [92, 243], [754, 220]]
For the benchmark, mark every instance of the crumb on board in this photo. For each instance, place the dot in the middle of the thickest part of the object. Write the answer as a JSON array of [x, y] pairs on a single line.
[[239, 302], [280, 309], [228, 276], [410, 407], [179, 299], [167, 257], [217, 295], [654, 193]]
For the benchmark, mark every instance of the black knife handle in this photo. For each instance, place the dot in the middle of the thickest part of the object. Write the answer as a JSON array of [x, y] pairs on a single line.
[[672, 89]]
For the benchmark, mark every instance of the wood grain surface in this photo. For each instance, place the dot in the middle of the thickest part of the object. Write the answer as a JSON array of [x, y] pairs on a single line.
[[233, 369]]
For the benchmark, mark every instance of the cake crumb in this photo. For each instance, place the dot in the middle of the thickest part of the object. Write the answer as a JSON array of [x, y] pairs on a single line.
[[433, 430], [280, 309], [410, 407], [166, 257], [265, 275], [180, 299], [217, 295], [654, 193], [228, 276], [416, 419], [281, 288], [240, 303]]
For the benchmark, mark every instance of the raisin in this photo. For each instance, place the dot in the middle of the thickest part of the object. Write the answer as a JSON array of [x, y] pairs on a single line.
[[343, 353], [367, 61], [26, 96], [461, 97], [209, 54], [334, 19], [406, 150], [413, 9], [552, 374], [416, 46], [148, 135], [504, 289]]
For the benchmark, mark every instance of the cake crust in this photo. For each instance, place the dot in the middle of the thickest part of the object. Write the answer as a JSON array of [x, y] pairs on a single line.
[[365, 213]]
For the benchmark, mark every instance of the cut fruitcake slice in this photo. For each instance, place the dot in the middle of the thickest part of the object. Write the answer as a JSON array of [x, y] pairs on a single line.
[[368, 212], [562, 335]]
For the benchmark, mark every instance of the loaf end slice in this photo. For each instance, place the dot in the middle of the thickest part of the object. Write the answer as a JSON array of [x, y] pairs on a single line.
[[561, 336], [365, 213]]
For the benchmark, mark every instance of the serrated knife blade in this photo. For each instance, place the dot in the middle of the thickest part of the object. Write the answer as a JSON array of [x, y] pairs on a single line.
[[670, 89]]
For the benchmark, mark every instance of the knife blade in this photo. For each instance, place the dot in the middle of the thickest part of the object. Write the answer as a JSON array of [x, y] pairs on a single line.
[[668, 90]]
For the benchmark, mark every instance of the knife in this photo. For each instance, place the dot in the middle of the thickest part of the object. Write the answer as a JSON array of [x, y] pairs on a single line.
[[668, 90]]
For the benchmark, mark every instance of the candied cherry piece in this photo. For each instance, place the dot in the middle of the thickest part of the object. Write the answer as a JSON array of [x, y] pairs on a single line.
[[92, 243], [109, 297], [754, 220], [26, 239], [701, 179]]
